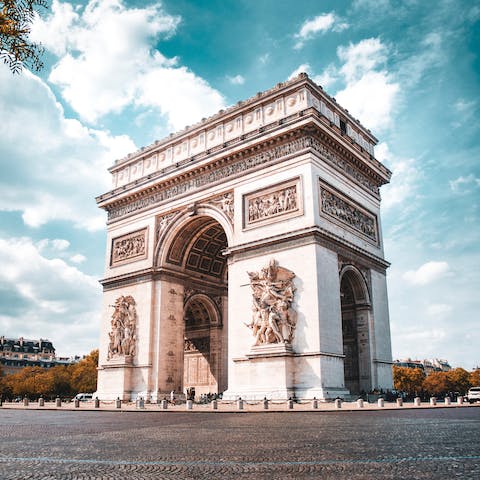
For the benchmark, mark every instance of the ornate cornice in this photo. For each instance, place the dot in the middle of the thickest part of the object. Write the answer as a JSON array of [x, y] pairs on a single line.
[[271, 150]]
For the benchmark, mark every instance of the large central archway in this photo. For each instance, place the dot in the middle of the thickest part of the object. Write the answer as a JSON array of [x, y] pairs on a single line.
[[194, 257]]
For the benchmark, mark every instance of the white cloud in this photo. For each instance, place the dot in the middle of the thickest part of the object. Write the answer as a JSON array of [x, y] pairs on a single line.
[[462, 184], [106, 54], [52, 167], [317, 25], [405, 177], [303, 68], [39, 295], [427, 273], [236, 80], [327, 78], [370, 92], [78, 258]]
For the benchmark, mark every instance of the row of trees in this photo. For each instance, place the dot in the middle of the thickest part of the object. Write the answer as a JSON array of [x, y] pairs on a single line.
[[414, 382], [63, 381]]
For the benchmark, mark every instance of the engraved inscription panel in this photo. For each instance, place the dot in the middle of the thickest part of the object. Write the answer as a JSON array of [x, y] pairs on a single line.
[[129, 248], [267, 205], [348, 213]]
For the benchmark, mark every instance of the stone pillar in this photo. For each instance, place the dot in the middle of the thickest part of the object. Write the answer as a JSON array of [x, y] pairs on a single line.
[[314, 403], [214, 405], [25, 402], [360, 403], [189, 404], [77, 403], [433, 401], [240, 404], [381, 402], [399, 402], [448, 401], [265, 404], [41, 402], [417, 402], [338, 403], [118, 403], [460, 400], [164, 404], [290, 404], [97, 403], [58, 402]]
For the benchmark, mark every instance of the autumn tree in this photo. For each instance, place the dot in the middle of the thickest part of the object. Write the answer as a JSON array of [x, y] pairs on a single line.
[[437, 384], [475, 378], [16, 50], [459, 380], [408, 380], [29, 381], [84, 373]]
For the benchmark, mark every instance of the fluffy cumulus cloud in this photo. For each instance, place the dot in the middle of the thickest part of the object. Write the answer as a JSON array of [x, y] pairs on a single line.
[[52, 166], [106, 62], [41, 295], [370, 92], [427, 273], [318, 25]]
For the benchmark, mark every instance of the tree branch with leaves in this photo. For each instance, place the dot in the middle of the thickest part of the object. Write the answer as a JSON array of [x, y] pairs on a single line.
[[16, 49]]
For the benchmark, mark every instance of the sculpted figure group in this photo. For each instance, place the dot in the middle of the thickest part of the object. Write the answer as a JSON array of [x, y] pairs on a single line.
[[272, 204], [273, 319], [124, 320]]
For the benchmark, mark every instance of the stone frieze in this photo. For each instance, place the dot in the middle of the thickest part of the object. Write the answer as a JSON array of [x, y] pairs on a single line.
[[130, 247]]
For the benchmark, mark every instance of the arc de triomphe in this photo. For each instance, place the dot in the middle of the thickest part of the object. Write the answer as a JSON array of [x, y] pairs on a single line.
[[245, 256]]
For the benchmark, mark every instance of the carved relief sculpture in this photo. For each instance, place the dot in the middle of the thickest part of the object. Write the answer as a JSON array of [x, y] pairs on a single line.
[[349, 214], [273, 318], [129, 247], [273, 202], [225, 203], [123, 334]]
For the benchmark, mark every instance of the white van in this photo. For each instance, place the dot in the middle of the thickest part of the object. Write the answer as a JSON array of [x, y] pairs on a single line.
[[84, 397], [473, 395]]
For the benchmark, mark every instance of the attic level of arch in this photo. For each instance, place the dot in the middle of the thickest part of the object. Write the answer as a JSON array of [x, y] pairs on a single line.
[[307, 137]]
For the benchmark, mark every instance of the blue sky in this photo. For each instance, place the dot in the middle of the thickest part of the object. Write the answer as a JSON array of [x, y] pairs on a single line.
[[121, 74]]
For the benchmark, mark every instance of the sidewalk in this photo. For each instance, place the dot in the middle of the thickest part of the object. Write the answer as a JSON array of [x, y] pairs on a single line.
[[231, 407]]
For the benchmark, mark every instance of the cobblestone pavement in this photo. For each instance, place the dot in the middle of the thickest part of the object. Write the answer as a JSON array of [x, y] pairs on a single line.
[[436, 443]]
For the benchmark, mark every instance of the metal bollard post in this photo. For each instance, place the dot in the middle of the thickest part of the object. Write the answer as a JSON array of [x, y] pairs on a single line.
[[118, 403], [41, 402], [360, 403], [460, 400], [290, 404], [189, 404], [214, 405], [164, 404], [433, 401], [265, 403], [399, 402], [97, 403], [381, 402], [25, 402], [240, 403], [77, 403], [448, 401], [338, 403], [314, 403], [417, 401]]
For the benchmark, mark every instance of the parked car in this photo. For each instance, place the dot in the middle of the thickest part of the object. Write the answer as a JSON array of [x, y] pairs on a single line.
[[473, 395], [84, 397]]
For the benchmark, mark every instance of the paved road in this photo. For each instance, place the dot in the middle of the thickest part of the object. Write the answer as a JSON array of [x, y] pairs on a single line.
[[415, 444]]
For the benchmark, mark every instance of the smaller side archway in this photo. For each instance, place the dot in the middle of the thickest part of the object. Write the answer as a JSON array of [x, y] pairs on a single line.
[[356, 335]]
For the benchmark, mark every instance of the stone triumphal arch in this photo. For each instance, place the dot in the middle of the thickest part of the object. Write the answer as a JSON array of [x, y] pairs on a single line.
[[245, 256]]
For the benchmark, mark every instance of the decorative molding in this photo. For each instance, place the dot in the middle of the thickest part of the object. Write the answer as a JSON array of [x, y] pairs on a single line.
[[123, 336], [225, 203], [267, 205], [129, 248], [348, 213]]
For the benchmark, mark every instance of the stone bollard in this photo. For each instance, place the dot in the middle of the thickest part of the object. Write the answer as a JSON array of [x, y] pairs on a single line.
[[417, 401], [433, 401], [214, 405], [240, 403], [360, 403], [290, 404], [338, 403], [41, 402], [460, 400], [189, 404], [381, 402], [25, 402], [448, 401], [265, 403], [399, 402], [314, 403], [164, 404], [141, 402], [77, 403], [97, 403], [58, 402], [1, 401], [118, 403]]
